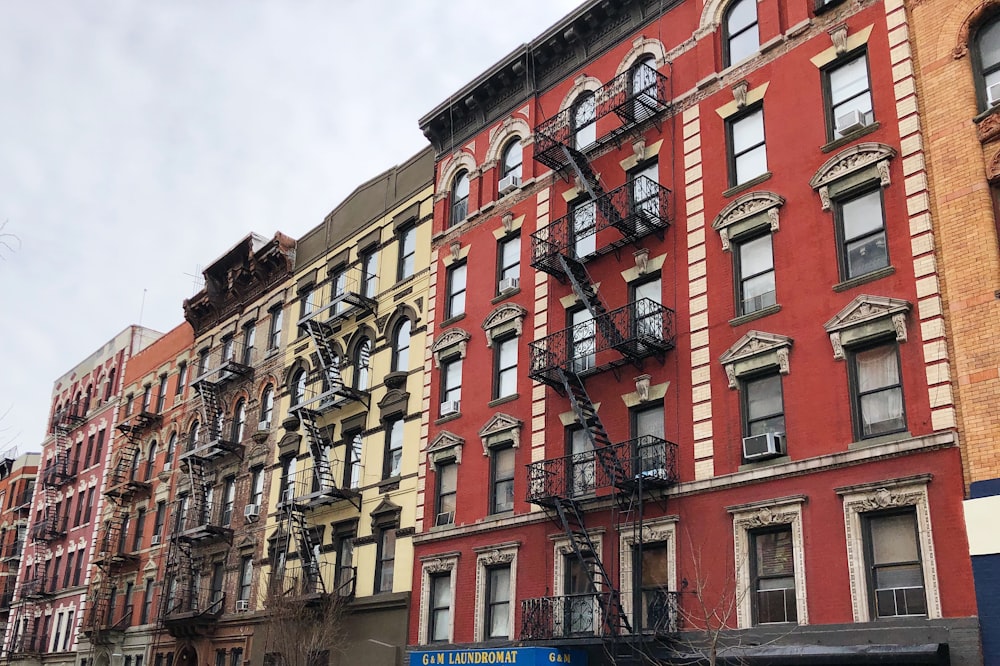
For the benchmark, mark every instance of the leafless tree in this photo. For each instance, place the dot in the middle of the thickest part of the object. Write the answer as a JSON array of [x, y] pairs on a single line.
[[8, 242], [302, 628]]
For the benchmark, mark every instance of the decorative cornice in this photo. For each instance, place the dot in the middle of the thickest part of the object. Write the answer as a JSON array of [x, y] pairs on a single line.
[[849, 161], [501, 424], [453, 337], [862, 310], [445, 444], [756, 343], [506, 313], [745, 207]]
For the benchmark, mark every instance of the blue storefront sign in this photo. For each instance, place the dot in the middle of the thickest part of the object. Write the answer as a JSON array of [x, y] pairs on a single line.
[[519, 656]]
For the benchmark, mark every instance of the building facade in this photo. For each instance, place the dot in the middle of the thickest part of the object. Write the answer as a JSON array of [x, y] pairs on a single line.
[[955, 62], [126, 583], [719, 420], [208, 612], [342, 498], [51, 595], [18, 475]]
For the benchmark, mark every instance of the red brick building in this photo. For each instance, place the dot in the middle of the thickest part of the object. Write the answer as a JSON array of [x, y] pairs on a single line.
[[687, 390], [18, 474]]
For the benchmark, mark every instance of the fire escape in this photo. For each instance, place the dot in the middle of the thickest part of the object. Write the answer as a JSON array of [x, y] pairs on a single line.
[[603, 339], [49, 526], [311, 574], [11, 548], [115, 556]]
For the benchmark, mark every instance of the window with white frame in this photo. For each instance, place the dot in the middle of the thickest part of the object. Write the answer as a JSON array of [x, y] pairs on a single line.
[[496, 572], [459, 209], [440, 610], [436, 598], [502, 479], [584, 120], [747, 148], [741, 38], [848, 96], [451, 386], [455, 290]]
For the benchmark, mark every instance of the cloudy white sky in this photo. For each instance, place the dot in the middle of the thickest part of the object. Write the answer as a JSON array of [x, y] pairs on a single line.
[[142, 139]]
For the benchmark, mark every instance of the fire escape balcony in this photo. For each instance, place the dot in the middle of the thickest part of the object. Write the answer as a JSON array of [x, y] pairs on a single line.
[[7, 593], [59, 471], [625, 335], [613, 220], [351, 295], [138, 423], [226, 362], [107, 630], [303, 581], [49, 528], [217, 440], [11, 550], [193, 612], [646, 460], [69, 417], [123, 483], [39, 587], [578, 615], [116, 557], [206, 525], [316, 487], [23, 501], [335, 394], [635, 98]]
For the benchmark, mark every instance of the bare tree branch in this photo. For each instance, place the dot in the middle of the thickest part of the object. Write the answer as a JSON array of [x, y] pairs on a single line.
[[8, 240]]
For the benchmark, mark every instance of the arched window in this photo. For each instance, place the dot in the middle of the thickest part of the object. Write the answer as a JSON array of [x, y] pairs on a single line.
[[239, 419], [741, 39], [401, 347], [150, 460], [168, 457], [109, 388], [78, 405], [584, 120], [266, 407], [986, 61], [362, 358], [642, 89], [298, 386], [193, 436], [459, 198], [511, 161], [86, 398]]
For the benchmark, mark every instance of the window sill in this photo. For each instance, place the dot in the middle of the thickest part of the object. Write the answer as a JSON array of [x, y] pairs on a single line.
[[507, 398], [388, 485], [505, 295], [777, 460], [451, 320], [759, 314], [742, 187], [450, 417], [881, 439], [864, 279], [844, 140]]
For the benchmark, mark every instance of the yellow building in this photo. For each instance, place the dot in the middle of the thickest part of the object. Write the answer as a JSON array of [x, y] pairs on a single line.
[[343, 494]]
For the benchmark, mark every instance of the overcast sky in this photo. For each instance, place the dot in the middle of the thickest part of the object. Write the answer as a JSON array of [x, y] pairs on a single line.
[[142, 139]]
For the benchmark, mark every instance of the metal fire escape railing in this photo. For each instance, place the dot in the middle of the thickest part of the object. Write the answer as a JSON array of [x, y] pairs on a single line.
[[225, 363]]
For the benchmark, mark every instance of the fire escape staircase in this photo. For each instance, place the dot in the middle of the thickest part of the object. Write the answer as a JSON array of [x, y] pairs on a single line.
[[335, 393]]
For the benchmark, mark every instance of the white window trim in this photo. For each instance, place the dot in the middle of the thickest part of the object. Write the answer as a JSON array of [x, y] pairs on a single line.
[[436, 564], [757, 350], [563, 548], [768, 513], [653, 531], [871, 497], [505, 553]]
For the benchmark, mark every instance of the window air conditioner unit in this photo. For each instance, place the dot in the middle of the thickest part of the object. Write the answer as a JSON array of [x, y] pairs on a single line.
[[167, 466], [445, 518], [251, 512], [242, 605], [154, 540], [264, 425], [509, 284], [850, 121], [763, 446], [993, 95], [509, 183], [449, 407]]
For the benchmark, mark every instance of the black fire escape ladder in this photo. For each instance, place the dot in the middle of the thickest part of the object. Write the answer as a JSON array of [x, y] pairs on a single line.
[[305, 543], [199, 492], [320, 334], [211, 406], [317, 445], [583, 287], [604, 453], [590, 182]]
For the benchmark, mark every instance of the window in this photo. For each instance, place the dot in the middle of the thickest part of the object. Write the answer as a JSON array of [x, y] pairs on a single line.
[[648, 317], [652, 559], [440, 619], [287, 488], [147, 397], [68, 638], [583, 339], [160, 519], [393, 448], [511, 160], [90, 451], [228, 349], [583, 218], [773, 576], [763, 405], [246, 577], [505, 367], [129, 400], [644, 194], [401, 347], [140, 527], [877, 391], [90, 505], [447, 492], [274, 333], [642, 89], [747, 152], [257, 485], [306, 306], [218, 576], [67, 572], [848, 96], [193, 436], [741, 39], [249, 336], [508, 263], [459, 198], [298, 387], [455, 298], [986, 62], [584, 121], [161, 394], [147, 602], [407, 252], [578, 585], [344, 543], [861, 234], [239, 420], [182, 371], [581, 468], [150, 460], [78, 572], [220, 658], [202, 361], [754, 274], [894, 570], [498, 602], [236, 658], [168, 456], [352, 466], [386, 562], [362, 360], [648, 431], [266, 408], [58, 631], [451, 386], [228, 500], [369, 273], [502, 479]]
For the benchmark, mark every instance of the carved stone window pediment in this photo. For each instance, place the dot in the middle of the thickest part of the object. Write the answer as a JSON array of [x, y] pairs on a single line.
[[454, 341], [446, 446], [865, 317], [750, 211], [500, 429], [753, 351], [850, 162], [505, 318]]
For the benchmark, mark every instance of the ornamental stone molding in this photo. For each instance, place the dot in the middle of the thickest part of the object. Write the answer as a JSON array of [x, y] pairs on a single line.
[[754, 351], [445, 446], [972, 19], [731, 219], [641, 48], [865, 317], [661, 530], [500, 429], [504, 554], [504, 318], [460, 159], [451, 342], [582, 84], [510, 128], [993, 169], [851, 161], [435, 565]]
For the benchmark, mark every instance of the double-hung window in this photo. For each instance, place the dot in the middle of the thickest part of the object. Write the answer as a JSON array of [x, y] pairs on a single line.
[[511, 163], [581, 468], [505, 364], [747, 149], [249, 338], [393, 448], [658, 610], [861, 234], [401, 346], [439, 630], [246, 577], [455, 296], [741, 39], [352, 470], [508, 263], [773, 576], [161, 394], [895, 572], [848, 97], [502, 479], [763, 405], [877, 391], [447, 492], [754, 274], [459, 198], [583, 230], [307, 305], [585, 121], [407, 252], [583, 339], [386, 561], [369, 273], [986, 62], [498, 602], [451, 386], [274, 329]]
